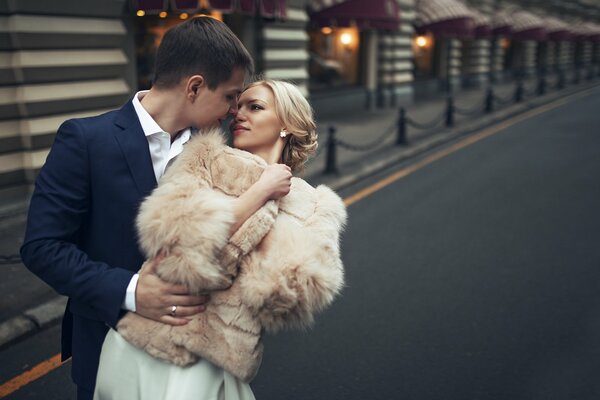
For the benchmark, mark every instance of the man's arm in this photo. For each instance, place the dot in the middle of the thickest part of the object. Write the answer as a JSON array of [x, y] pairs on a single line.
[[59, 208]]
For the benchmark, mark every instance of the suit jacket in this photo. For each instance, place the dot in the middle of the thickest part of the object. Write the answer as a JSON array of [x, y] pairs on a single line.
[[80, 236]]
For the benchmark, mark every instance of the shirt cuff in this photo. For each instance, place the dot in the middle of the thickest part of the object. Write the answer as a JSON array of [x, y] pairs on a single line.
[[129, 302]]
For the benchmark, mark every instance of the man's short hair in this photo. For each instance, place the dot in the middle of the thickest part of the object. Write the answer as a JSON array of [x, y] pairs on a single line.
[[200, 46]]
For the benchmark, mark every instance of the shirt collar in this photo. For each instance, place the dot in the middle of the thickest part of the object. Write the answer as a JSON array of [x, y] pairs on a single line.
[[149, 125]]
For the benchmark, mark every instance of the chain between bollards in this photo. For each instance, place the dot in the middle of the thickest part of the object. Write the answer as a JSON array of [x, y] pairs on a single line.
[[330, 162], [401, 135]]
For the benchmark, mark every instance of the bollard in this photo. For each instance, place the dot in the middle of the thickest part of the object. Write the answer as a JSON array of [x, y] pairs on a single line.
[[450, 112], [561, 79], [489, 100], [401, 135], [541, 89], [330, 162], [519, 91]]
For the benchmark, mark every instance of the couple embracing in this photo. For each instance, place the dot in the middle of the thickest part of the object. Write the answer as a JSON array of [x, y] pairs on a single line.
[[171, 287]]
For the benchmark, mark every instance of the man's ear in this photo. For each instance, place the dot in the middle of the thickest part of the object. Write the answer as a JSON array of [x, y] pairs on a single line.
[[194, 85]]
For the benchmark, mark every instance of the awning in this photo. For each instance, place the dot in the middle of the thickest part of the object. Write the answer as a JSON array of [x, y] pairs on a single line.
[[557, 30], [268, 8], [585, 31], [372, 14], [444, 18], [501, 24], [526, 26], [482, 25]]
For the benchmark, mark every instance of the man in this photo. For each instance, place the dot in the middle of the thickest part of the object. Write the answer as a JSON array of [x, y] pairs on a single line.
[[80, 235]]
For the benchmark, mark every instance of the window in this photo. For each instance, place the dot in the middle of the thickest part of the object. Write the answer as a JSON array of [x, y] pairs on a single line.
[[334, 57]]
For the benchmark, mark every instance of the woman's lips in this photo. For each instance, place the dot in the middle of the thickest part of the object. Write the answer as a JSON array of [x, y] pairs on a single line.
[[239, 130]]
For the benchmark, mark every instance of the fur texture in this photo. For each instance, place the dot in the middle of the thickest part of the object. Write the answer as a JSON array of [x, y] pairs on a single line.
[[280, 268]]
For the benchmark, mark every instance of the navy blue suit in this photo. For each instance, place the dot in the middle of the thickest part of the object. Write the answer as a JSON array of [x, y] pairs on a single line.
[[80, 235]]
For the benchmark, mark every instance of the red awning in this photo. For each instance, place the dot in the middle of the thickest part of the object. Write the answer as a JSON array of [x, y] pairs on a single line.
[[501, 24], [373, 14], [557, 30], [586, 31], [482, 25], [449, 18], [527, 26], [268, 8]]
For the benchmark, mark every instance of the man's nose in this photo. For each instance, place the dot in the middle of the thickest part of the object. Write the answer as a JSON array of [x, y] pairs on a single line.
[[234, 109], [238, 115]]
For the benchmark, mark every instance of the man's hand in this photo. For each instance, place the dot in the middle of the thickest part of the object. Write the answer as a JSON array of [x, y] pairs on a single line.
[[155, 298], [276, 181]]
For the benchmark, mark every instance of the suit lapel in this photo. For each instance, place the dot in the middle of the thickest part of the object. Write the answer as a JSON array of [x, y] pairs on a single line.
[[134, 146]]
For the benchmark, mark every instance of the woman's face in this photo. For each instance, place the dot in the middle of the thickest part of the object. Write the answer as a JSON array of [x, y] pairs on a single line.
[[256, 126]]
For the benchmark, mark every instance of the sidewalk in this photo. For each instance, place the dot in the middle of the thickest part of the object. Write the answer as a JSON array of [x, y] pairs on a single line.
[[29, 305]]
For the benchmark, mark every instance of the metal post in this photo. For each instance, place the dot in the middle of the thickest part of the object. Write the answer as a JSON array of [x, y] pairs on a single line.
[[401, 136], [561, 78], [330, 162], [541, 90], [489, 100], [519, 90], [450, 112]]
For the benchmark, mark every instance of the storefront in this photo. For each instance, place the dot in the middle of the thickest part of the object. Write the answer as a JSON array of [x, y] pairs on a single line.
[[343, 52], [527, 31], [154, 17], [440, 26]]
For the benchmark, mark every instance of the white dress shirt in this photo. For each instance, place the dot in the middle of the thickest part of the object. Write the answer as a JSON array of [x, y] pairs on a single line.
[[162, 152]]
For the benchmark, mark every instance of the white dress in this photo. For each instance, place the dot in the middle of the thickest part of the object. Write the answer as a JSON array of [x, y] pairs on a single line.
[[128, 373]]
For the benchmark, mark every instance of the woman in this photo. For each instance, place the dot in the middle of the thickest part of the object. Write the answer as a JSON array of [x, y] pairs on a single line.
[[277, 269]]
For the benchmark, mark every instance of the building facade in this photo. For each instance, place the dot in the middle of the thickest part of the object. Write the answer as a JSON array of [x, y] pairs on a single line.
[[74, 58]]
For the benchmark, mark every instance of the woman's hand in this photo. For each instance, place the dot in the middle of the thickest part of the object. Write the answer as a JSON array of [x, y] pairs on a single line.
[[275, 181]]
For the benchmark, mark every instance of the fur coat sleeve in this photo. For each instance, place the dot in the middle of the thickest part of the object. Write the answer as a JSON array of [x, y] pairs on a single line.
[[296, 271]]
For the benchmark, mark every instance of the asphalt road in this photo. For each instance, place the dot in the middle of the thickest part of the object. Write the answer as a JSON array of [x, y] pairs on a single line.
[[475, 277]]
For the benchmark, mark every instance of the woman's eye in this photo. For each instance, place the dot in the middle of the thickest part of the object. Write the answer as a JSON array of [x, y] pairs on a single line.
[[255, 107]]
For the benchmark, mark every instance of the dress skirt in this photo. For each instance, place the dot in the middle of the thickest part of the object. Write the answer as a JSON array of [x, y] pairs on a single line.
[[128, 373]]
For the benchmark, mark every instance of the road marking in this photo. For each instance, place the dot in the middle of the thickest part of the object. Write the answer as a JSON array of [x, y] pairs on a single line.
[[27, 377], [360, 195], [54, 362]]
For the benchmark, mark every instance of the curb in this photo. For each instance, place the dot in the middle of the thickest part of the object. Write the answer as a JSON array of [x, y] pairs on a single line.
[[50, 312], [32, 320]]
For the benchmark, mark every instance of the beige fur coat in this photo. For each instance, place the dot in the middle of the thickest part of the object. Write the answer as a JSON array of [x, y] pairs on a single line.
[[280, 268]]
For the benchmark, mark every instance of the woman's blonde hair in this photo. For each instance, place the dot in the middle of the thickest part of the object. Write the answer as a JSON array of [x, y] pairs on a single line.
[[296, 115]]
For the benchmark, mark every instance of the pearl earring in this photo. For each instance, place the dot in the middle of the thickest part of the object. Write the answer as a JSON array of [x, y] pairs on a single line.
[[282, 134]]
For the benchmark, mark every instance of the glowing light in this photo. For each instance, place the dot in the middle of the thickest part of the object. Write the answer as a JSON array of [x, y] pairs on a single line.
[[421, 41], [326, 30], [183, 16], [163, 14], [346, 39], [140, 13]]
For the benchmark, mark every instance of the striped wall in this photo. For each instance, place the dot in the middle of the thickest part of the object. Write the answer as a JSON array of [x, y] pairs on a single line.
[[53, 66], [395, 77], [476, 52], [285, 44], [529, 56], [564, 54], [497, 58]]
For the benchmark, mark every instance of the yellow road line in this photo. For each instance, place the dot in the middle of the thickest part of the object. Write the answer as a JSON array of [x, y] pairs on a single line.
[[457, 146], [27, 377], [51, 364]]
